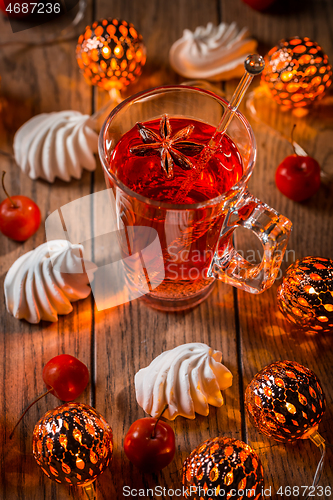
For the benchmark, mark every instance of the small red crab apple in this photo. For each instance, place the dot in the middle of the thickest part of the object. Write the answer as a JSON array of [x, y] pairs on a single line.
[[65, 376], [150, 444], [20, 217], [298, 177]]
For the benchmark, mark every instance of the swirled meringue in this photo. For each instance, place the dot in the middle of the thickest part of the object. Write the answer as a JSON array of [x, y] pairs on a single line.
[[59, 144], [212, 52], [187, 378], [43, 282]]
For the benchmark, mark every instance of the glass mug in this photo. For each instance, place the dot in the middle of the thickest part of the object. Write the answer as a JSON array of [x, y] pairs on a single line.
[[196, 239]]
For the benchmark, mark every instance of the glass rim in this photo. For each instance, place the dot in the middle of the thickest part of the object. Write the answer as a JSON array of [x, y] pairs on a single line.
[[170, 206]]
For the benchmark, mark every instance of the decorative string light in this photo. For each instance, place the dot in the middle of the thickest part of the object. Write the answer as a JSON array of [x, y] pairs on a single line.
[[305, 295], [223, 467], [297, 72], [285, 401], [111, 54], [72, 444]]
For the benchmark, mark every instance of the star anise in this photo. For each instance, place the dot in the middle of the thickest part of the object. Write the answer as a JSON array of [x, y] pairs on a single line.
[[170, 148]]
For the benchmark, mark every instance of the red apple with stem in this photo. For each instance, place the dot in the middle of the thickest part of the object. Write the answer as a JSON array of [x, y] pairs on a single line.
[[298, 177], [20, 217], [150, 443], [65, 376]]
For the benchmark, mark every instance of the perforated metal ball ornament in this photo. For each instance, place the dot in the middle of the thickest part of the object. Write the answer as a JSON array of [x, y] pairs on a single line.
[[285, 401], [72, 444], [305, 295], [111, 53], [221, 466], [297, 72]]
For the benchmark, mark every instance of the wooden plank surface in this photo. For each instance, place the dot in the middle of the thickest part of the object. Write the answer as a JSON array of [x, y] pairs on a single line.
[[116, 343], [264, 333], [129, 337], [35, 80]]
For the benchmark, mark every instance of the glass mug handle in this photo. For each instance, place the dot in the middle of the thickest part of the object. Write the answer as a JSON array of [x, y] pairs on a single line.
[[272, 229]]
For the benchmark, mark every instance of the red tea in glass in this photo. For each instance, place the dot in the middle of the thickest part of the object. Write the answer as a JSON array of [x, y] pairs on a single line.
[[185, 267], [149, 146]]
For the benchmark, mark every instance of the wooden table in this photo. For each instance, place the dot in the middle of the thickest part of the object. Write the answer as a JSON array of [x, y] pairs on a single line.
[[115, 343]]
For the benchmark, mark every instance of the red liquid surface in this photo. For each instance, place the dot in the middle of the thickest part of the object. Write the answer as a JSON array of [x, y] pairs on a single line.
[[145, 176], [189, 237]]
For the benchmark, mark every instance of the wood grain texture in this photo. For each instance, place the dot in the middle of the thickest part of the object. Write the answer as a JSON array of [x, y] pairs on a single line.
[[35, 80], [128, 339], [131, 336], [116, 343], [265, 336]]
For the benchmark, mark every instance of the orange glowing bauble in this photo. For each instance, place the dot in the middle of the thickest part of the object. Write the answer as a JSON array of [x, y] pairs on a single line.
[[285, 401], [297, 72], [111, 53], [72, 444], [223, 467], [305, 295]]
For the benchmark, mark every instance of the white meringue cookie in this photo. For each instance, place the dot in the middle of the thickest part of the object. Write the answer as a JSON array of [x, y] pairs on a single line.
[[58, 144], [187, 378], [212, 52], [42, 283]]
